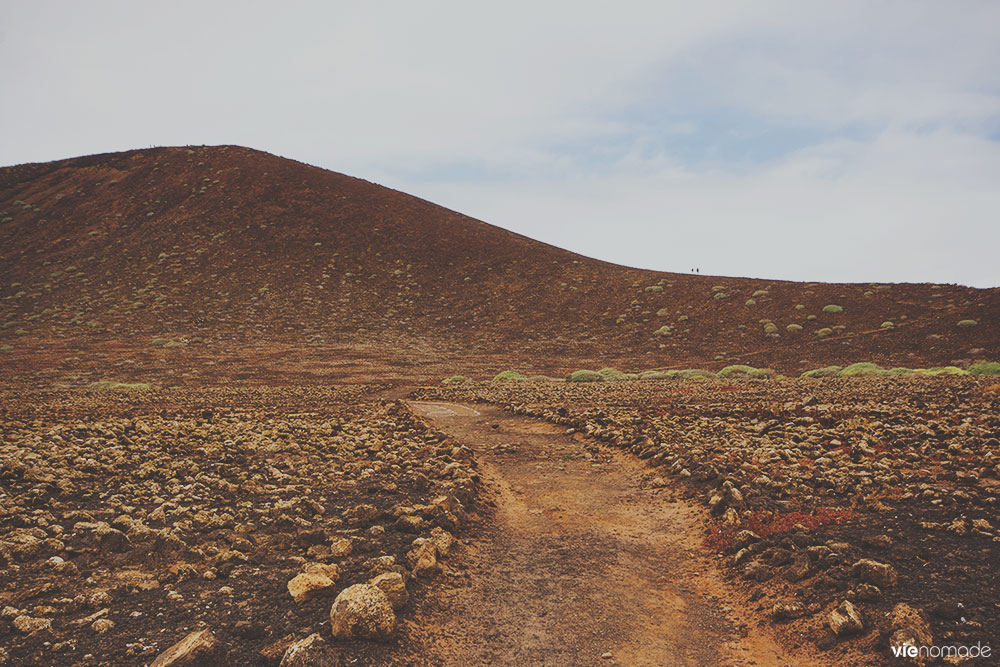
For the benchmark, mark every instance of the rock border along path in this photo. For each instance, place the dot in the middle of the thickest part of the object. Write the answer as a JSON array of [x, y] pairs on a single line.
[[583, 562]]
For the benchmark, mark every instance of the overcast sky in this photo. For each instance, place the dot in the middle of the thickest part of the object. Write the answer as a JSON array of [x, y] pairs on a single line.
[[833, 141]]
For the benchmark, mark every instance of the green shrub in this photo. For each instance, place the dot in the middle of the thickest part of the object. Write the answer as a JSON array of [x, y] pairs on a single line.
[[656, 289], [720, 295], [159, 342], [655, 375], [584, 376], [824, 332], [662, 312], [693, 373], [811, 317], [770, 328], [760, 293], [612, 374], [683, 318], [455, 379], [735, 370], [887, 325], [900, 370], [750, 303], [663, 331], [173, 344], [825, 372], [968, 323], [942, 370], [862, 368], [6, 348], [762, 373], [799, 306], [982, 368], [509, 376], [793, 328], [832, 308]]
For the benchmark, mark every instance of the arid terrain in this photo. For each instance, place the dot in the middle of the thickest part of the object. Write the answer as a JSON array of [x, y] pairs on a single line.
[[254, 412]]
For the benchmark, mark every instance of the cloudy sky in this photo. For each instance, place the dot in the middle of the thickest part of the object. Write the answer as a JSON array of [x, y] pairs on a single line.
[[833, 141]]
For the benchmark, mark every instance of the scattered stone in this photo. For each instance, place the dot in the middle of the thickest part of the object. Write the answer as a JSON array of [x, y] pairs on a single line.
[[364, 611], [198, 649], [870, 571], [846, 620], [394, 587]]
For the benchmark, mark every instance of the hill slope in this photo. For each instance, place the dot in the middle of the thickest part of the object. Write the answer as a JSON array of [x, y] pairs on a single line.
[[267, 267]]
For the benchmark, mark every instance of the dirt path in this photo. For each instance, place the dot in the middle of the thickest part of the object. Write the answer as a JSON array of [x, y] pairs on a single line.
[[583, 563]]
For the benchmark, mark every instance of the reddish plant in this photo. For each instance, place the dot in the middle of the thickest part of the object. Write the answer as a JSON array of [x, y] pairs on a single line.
[[766, 524]]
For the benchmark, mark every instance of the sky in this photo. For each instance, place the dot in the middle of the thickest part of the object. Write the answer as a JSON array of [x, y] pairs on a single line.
[[818, 141]]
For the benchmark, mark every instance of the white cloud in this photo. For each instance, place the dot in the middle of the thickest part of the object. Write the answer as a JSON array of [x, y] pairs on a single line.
[[561, 119]]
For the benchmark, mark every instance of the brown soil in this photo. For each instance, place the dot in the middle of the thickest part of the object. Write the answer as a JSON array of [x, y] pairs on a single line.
[[581, 558]]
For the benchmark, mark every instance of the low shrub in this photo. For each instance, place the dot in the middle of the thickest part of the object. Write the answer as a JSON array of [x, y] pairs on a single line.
[[770, 328], [759, 293], [825, 372], [6, 348], [799, 306], [942, 370], [662, 312], [887, 325], [585, 376], [663, 331], [455, 379], [159, 342], [863, 368], [735, 370], [832, 308], [793, 328], [509, 376], [655, 375], [984, 368], [612, 374], [656, 289], [693, 373], [720, 295], [824, 332], [965, 324], [750, 303], [173, 344]]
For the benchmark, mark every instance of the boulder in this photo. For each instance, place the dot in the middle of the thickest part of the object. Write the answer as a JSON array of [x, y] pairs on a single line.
[[871, 571], [846, 620], [394, 587], [364, 611], [197, 649]]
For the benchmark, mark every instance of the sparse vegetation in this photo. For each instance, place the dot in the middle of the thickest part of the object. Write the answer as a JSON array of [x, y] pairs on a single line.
[[455, 379], [6, 348], [750, 303], [824, 332], [887, 325], [663, 331], [863, 368], [770, 328], [509, 376], [984, 368], [832, 308], [584, 376], [655, 289], [759, 293], [612, 374], [793, 328], [825, 372], [720, 295], [965, 324]]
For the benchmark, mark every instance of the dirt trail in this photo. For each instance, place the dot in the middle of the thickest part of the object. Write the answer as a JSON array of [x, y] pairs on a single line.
[[580, 560]]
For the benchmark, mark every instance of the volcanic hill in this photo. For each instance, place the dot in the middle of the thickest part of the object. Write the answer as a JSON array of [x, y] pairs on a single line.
[[220, 264]]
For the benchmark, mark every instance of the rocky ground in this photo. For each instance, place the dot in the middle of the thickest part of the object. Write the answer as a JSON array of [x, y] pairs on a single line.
[[240, 524], [859, 512]]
